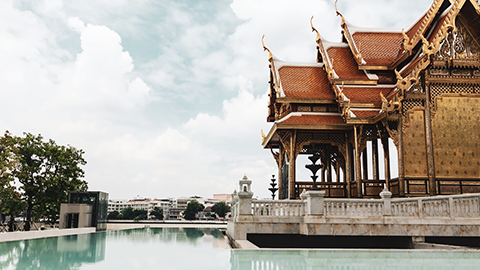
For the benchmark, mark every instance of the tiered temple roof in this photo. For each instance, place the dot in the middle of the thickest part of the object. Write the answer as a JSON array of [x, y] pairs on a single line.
[[375, 78]]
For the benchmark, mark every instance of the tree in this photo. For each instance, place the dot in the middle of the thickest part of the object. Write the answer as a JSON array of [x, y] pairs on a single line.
[[11, 203], [46, 172], [221, 209], [193, 207], [133, 214], [140, 214], [62, 175], [113, 215], [127, 213], [157, 213]]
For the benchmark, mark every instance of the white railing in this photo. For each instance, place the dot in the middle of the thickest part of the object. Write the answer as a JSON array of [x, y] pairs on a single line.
[[405, 207], [353, 208], [464, 205], [278, 208]]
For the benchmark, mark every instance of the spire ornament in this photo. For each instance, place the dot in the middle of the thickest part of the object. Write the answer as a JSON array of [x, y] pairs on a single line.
[[270, 55], [315, 30]]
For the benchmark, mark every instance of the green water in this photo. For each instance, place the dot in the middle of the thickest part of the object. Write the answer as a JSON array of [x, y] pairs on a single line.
[[191, 248]]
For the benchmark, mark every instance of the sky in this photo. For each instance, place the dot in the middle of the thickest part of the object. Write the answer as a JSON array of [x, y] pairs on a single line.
[[166, 98]]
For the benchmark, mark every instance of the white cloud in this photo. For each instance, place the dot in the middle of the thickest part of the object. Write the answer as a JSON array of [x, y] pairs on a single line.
[[186, 118]]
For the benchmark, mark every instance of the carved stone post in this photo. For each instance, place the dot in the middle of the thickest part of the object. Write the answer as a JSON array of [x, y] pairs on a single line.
[[315, 202], [245, 198], [358, 168], [387, 202]]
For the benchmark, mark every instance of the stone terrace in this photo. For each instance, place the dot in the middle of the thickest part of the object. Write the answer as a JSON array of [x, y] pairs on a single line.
[[453, 215]]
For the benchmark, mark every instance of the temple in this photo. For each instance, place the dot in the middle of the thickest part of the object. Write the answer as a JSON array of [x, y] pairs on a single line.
[[419, 89]]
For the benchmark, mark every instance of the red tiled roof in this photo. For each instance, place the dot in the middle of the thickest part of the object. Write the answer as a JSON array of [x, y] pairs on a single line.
[[366, 94], [314, 119], [410, 66], [305, 82], [378, 49], [344, 64], [365, 114], [415, 27], [437, 28]]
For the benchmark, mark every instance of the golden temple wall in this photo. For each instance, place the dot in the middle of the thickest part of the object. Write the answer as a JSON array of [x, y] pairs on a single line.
[[456, 136], [415, 157]]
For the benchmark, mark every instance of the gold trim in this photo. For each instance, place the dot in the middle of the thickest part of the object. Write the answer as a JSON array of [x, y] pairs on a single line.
[[314, 126], [365, 121], [269, 136], [427, 20], [394, 104], [270, 55], [346, 113], [372, 67], [305, 100], [351, 43], [430, 48], [366, 82], [326, 61]]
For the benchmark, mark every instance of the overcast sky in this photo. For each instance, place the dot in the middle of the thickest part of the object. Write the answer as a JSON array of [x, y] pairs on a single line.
[[167, 98]]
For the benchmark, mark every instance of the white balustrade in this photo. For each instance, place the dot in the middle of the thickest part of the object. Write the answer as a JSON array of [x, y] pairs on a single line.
[[278, 208], [464, 205], [405, 207], [353, 208]]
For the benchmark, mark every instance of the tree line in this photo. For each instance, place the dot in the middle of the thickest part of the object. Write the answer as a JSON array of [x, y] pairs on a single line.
[[136, 214], [36, 176], [193, 207]]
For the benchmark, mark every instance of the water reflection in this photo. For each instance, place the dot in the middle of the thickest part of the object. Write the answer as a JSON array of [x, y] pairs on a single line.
[[168, 235], [352, 259], [66, 252], [193, 248], [89, 251]]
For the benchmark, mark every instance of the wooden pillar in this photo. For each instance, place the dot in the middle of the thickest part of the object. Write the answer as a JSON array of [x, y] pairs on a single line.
[[328, 163], [348, 164], [375, 159], [386, 157], [365, 164], [291, 173], [401, 168], [358, 169], [429, 141], [281, 156]]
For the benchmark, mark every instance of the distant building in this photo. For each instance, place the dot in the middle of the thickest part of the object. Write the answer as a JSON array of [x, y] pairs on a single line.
[[227, 198], [143, 204]]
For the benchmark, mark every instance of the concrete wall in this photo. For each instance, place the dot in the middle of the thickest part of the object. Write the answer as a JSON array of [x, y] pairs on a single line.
[[15, 236], [84, 211]]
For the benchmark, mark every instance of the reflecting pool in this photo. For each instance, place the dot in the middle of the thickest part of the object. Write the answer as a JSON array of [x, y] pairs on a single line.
[[200, 248]]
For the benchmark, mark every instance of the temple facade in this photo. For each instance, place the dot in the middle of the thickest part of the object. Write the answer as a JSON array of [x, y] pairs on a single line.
[[419, 88]]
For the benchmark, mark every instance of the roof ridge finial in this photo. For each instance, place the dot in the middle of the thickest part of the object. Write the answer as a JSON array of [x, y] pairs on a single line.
[[339, 14], [270, 55], [336, 9], [315, 30]]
